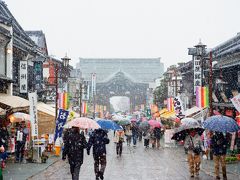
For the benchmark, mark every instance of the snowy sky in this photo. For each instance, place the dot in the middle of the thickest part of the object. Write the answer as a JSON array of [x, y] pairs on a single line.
[[128, 28]]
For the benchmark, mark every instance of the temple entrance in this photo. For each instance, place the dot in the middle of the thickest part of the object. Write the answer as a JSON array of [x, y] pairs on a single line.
[[119, 103]]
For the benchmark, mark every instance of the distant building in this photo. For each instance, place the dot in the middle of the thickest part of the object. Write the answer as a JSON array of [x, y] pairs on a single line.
[[142, 70]]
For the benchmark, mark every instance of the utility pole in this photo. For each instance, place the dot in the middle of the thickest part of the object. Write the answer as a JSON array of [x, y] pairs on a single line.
[[210, 85], [80, 99], [56, 87], [175, 72]]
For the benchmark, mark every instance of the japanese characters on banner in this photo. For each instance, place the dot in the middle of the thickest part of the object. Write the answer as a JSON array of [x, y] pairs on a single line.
[[33, 113], [197, 74], [236, 102], [61, 120], [178, 107], [23, 77], [94, 84]]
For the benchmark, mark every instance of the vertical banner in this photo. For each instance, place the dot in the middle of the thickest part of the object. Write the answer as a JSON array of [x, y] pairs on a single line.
[[61, 120], [93, 84], [178, 107], [33, 113], [202, 97], [23, 77], [63, 100], [170, 105], [197, 74]]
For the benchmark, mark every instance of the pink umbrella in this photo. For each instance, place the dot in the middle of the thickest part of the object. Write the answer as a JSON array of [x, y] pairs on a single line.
[[154, 123], [133, 120], [83, 123], [144, 119]]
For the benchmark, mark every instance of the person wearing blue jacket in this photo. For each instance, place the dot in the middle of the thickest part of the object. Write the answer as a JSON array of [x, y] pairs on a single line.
[[219, 148], [98, 140]]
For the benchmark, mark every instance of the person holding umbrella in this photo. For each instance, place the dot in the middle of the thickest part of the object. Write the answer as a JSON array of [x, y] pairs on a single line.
[[220, 124], [98, 140], [73, 149], [219, 147], [194, 147]]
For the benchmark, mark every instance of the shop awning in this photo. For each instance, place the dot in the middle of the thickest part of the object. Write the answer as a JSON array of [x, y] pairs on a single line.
[[45, 108], [13, 103], [192, 111], [168, 115], [163, 111]]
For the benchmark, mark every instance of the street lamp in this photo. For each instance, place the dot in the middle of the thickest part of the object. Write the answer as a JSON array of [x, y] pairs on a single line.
[[65, 62]]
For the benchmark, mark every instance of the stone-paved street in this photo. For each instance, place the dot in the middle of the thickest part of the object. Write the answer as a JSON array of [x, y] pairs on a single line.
[[135, 164]]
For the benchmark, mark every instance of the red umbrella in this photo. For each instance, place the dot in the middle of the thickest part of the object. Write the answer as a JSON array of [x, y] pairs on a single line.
[[154, 123]]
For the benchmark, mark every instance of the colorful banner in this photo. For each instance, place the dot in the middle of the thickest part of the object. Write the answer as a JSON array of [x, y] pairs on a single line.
[[61, 120], [84, 107], [32, 97], [63, 101], [202, 97], [178, 107], [170, 105]]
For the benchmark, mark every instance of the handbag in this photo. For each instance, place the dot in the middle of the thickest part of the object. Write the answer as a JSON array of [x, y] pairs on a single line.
[[196, 150]]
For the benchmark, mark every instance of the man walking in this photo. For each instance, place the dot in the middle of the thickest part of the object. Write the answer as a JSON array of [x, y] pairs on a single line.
[[219, 145], [73, 148], [98, 140]]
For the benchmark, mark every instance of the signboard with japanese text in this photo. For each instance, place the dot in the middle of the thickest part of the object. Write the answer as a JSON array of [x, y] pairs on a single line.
[[33, 113], [93, 84], [61, 120], [38, 76], [197, 73], [23, 77], [178, 107], [236, 102]]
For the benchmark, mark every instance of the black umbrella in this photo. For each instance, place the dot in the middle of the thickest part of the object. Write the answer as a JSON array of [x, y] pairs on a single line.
[[181, 132]]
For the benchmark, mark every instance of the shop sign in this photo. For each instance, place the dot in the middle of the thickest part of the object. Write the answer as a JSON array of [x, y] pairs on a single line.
[[38, 76], [33, 113], [236, 102], [197, 74], [23, 76], [178, 107], [61, 120]]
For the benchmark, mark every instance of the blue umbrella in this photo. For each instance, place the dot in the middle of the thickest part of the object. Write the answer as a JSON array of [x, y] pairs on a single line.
[[221, 123], [108, 124]]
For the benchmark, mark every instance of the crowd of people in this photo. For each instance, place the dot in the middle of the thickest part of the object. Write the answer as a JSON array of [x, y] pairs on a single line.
[[75, 143], [195, 147]]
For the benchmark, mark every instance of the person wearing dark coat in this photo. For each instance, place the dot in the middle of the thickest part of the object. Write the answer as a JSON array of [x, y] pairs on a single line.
[[73, 149], [157, 135], [98, 140], [219, 148]]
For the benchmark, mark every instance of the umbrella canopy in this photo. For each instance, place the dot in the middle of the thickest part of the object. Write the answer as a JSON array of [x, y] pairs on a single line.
[[181, 132], [18, 117], [154, 123], [144, 126], [190, 121], [83, 123], [108, 124], [133, 120], [123, 122], [221, 123]]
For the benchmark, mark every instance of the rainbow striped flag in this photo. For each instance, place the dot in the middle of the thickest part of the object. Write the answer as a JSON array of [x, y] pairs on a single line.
[[170, 105], [63, 100], [202, 97], [84, 107]]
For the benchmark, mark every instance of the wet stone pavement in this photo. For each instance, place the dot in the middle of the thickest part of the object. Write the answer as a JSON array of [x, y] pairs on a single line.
[[136, 163]]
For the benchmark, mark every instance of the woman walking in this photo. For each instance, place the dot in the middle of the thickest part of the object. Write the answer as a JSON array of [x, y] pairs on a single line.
[[119, 139], [128, 134], [146, 137]]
